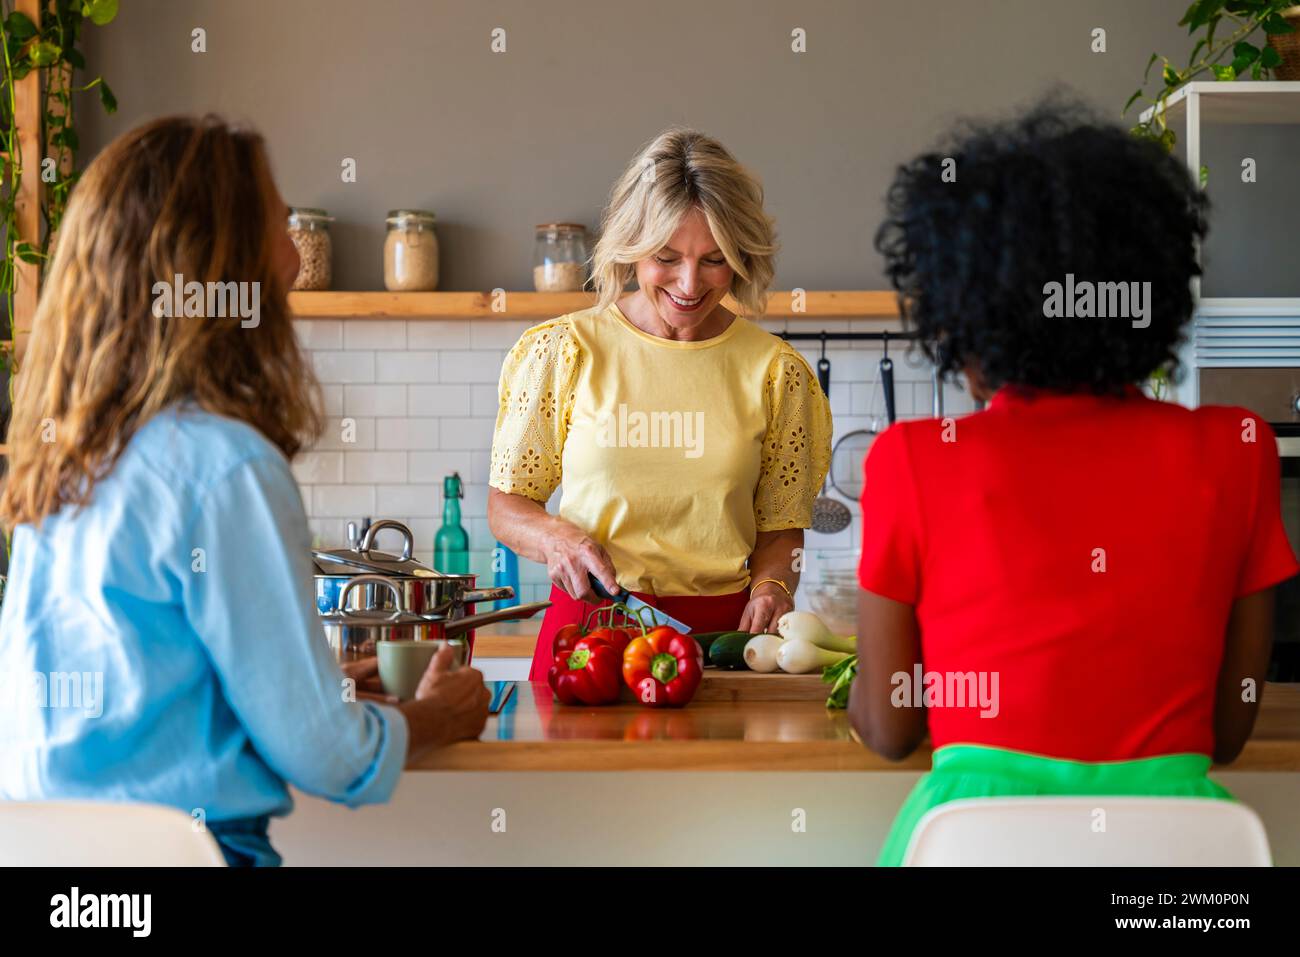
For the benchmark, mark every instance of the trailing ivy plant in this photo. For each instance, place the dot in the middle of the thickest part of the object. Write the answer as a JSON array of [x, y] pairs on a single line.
[[1226, 27], [50, 47]]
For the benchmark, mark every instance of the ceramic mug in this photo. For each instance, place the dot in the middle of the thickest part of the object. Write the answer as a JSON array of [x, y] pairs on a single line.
[[402, 663]]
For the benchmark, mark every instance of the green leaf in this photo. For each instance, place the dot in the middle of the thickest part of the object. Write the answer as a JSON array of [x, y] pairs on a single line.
[[1246, 51], [1269, 58], [100, 12], [1168, 139], [107, 99], [44, 53], [1171, 76], [67, 137], [1136, 94], [1239, 66], [1195, 50], [1256, 70], [1205, 175], [75, 58], [1199, 13], [21, 69], [20, 26], [28, 253], [1276, 24], [1223, 73], [1147, 74]]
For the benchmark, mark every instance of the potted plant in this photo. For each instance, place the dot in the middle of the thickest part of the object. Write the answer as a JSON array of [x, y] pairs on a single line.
[[1224, 27]]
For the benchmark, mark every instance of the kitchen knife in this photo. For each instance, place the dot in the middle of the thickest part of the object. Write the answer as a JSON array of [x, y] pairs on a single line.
[[636, 604]]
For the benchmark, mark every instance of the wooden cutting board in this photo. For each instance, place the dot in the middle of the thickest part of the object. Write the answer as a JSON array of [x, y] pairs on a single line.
[[753, 686]]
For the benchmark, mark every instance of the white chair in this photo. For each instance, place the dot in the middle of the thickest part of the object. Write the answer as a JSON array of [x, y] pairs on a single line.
[[102, 834], [1089, 831]]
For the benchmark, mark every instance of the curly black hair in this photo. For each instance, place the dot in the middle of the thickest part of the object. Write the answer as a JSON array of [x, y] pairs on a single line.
[[1052, 193]]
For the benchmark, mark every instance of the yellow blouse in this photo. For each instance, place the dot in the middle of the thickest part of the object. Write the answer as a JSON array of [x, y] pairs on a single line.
[[673, 455]]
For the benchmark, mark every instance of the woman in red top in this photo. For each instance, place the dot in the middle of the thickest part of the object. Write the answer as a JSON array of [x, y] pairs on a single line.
[[1073, 588]]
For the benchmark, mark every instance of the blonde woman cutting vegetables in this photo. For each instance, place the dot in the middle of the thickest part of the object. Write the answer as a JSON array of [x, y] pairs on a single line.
[[690, 442]]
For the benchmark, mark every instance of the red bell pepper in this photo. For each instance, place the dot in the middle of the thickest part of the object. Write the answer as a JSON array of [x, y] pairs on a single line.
[[566, 639], [663, 667], [586, 675], [618, 637]]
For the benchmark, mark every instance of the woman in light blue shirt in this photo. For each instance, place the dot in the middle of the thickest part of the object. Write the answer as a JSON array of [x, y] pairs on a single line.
[[158, 640]]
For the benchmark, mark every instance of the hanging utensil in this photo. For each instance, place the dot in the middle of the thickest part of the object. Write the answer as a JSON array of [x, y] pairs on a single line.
[[829, 516], [887, 380]]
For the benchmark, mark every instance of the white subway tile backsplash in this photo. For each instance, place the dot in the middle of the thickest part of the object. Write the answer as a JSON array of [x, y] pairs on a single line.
[[413, 434], [319, 468], [332, 399], [485, 400], [471, 433], [327, 532], [415, 501], [474, 504], [368, 467], [322, 334], [418, 366], [374, 334], [347, 433], [497, 333], [344, 366], [439, 333], [374, 400], [464, 366], [343, 501], [435, 466], [439, 400]]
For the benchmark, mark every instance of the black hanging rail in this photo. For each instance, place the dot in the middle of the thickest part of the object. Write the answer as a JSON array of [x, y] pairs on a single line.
[[848, 336]]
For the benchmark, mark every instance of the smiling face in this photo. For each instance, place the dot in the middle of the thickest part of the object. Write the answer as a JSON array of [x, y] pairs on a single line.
[[684, 282]]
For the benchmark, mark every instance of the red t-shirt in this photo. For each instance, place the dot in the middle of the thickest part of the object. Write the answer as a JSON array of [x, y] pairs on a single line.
[[1083, 550]]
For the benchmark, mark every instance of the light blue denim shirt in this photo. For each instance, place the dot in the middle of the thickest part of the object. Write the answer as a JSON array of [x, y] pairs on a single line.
[[161, 644]]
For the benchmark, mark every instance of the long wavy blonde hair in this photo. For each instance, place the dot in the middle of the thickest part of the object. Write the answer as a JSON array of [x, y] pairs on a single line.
[[680, 170], [177, 196]]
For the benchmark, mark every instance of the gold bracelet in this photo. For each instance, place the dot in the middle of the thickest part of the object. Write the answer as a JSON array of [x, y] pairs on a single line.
[[776, 581]]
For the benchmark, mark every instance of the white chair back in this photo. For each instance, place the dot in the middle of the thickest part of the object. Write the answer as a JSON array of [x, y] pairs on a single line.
[[1089, 831], [102, 834]]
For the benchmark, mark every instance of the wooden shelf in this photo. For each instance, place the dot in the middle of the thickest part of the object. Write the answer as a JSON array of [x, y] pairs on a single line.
[[851, 304]]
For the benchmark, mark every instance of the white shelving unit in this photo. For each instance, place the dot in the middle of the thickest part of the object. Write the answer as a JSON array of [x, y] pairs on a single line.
[[1234, 332]]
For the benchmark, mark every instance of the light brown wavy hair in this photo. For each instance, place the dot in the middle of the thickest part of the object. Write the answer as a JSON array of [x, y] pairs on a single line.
[[179, 195], [676, 172]]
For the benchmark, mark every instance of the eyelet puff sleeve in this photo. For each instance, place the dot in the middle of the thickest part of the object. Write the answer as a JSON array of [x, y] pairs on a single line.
[[535, 400], [797, 446]]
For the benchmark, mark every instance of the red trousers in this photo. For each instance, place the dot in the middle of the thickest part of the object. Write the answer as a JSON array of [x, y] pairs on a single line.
[[700, 612]]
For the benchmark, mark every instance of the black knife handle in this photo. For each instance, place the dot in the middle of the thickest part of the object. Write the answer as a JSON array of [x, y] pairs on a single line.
[[604, 592]]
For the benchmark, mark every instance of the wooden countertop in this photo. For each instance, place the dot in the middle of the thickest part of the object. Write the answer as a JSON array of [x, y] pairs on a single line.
[[534, 733]]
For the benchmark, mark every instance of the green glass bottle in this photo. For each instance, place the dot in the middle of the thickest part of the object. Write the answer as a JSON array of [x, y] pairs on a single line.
[[451, 544]]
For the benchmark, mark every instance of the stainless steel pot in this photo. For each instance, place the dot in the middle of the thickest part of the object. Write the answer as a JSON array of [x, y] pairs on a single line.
[[421, 589], [353, 634]]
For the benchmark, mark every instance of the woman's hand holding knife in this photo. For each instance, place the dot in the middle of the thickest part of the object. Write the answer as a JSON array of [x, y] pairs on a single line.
[[569, 558]]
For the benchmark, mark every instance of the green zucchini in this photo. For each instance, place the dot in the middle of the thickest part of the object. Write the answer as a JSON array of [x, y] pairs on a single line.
[[707, 638], [728, 651]]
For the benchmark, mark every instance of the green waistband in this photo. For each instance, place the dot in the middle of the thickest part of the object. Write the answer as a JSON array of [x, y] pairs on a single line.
[[1080, 777]]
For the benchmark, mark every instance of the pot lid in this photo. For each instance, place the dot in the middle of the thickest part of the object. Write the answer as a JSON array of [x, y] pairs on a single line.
[[363, 558]]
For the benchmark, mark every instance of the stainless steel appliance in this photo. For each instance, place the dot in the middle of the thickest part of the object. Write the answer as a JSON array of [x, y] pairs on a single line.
[[1274, 395]]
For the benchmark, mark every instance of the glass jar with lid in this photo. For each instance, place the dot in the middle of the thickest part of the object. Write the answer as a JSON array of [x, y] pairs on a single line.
[[560, 257], [310, 231], [410, 251]]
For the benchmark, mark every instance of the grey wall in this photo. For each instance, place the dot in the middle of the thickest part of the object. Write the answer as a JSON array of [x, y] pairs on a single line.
[[495, 143]]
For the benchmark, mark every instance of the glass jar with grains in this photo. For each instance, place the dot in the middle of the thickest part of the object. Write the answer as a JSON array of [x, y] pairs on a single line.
[[310, 231], [560, 257], [410, 251]]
